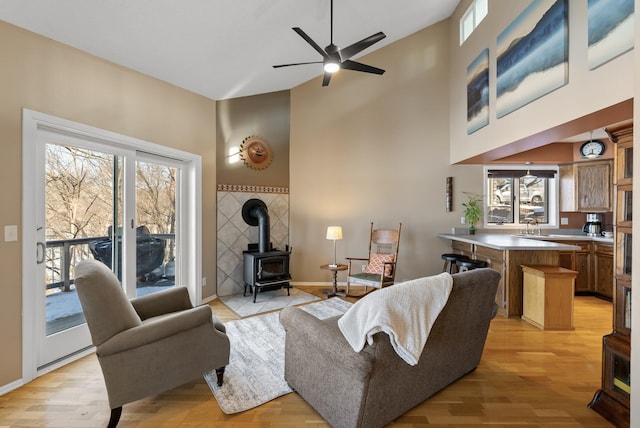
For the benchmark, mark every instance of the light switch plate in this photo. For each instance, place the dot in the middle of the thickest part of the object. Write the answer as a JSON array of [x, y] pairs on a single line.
[[10, 233], [564, 220]]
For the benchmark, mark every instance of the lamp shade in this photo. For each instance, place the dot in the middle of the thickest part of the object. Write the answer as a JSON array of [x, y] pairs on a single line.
[[334, 232]]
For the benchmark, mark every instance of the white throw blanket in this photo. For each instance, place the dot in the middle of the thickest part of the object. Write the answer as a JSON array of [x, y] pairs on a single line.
[[405, 311]]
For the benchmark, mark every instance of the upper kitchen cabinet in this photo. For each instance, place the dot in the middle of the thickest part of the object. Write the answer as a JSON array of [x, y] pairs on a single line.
[[586, 186]]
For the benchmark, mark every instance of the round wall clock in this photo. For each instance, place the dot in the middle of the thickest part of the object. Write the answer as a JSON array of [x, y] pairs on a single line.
[[256, 152], [592, 149]]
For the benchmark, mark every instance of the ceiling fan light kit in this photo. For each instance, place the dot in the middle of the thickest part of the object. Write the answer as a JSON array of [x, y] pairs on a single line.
[[333, 58]]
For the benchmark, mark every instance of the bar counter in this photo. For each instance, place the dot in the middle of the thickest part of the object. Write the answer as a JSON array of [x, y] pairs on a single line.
[[501, 241], [506, 254]]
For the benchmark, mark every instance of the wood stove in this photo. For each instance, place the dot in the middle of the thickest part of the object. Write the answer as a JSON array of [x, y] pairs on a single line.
[[265, 268]]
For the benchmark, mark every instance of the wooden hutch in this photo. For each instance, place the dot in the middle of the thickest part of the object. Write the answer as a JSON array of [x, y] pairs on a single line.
[[612, 400]]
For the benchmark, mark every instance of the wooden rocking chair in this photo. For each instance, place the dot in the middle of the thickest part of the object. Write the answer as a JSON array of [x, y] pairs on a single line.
[[380, 270]]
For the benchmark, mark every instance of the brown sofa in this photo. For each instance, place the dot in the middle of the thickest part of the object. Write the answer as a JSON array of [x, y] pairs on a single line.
[[373, 387]]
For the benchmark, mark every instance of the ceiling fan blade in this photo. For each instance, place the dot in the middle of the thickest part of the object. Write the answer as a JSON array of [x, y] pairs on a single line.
[[358, 66], [326, 79], [310, 41], [358, 47], [297, 63]]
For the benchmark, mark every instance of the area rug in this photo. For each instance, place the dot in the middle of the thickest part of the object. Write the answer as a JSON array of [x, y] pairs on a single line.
[[255, 374], [266, 301]]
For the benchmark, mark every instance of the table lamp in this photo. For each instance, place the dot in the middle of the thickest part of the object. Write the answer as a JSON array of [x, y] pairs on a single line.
[[334, 233]]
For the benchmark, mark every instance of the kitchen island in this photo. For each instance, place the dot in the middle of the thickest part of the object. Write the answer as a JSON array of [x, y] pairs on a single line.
[[506, 254]]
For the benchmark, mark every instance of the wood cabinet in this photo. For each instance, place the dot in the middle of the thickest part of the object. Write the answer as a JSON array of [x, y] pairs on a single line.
[[613, 398], [603, 269], [509, 264], [593, 186], [496, 260], [579, 261], [586, 186], [548, 297]]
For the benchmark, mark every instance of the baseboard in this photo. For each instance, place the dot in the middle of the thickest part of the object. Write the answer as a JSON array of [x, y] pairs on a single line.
[[11, 386], [210, 298]]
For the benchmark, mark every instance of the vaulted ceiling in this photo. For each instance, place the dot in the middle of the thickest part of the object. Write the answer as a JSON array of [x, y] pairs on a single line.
[[220, 48]]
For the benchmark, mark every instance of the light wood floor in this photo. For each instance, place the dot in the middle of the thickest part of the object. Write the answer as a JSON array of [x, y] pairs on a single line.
[[526, 378]]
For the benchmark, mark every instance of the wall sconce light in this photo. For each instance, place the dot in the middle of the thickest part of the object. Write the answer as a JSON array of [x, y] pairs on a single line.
[[334, 233], [233, 155]]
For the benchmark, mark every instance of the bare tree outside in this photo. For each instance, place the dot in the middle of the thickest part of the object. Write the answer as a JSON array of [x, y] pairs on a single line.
[[80, 204], [79, 192]]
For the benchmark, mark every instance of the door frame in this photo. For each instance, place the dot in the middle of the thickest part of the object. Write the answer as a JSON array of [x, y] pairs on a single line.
[[190, 225]]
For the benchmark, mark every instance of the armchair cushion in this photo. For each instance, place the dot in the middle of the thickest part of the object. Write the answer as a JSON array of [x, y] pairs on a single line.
[[377, 264]]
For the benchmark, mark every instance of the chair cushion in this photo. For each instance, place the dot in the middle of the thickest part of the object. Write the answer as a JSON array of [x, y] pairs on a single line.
[[376, 264], [369, 279]]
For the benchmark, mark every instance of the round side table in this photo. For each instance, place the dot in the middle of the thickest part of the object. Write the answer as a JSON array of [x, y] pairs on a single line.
[[331, 292]]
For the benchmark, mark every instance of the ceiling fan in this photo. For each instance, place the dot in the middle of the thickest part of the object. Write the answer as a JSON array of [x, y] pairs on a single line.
[[334, 58]]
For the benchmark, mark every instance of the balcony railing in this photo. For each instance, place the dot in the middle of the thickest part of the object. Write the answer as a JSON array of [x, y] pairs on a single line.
[[62, 305], [63, 254]]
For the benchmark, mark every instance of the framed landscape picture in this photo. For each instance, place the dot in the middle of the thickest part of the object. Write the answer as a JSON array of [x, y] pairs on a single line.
[[478, 92], [532, 57], [611, 32]]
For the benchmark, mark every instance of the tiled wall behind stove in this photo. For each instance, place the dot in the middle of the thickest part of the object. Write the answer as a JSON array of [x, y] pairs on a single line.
[[234, 235]]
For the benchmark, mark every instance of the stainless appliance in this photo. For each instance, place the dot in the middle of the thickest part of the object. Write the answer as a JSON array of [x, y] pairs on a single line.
[[593, 226]]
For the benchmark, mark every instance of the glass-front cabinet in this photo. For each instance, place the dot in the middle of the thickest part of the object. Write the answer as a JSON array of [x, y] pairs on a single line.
[[613, 399]]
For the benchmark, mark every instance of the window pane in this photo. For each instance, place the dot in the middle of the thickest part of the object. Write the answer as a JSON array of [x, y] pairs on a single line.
[[500, 209], [533, 200], [481, 9], [466, 26], [156, 219]]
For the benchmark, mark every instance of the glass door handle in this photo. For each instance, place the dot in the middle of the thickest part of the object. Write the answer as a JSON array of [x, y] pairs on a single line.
[[40, 254]]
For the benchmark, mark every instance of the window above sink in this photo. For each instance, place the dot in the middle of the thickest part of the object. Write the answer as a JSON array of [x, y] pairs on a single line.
[[534, 200]]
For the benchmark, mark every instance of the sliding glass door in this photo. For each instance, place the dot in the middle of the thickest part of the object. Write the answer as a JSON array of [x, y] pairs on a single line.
[[97, 200]]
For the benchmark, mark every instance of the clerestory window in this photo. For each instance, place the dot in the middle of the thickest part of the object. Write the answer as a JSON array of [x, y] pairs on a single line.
[[472, 18]]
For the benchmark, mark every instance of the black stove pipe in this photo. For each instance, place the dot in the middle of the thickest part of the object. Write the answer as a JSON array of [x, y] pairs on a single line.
[[255, 213]]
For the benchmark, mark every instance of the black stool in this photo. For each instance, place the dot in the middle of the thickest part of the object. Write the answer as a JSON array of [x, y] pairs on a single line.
[[451, 262], [465, 265]]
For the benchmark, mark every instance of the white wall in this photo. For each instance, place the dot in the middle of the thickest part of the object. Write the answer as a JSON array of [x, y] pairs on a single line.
[[376, 148]]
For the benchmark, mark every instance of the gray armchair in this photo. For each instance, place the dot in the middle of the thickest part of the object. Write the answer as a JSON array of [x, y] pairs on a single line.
[[149, 344]]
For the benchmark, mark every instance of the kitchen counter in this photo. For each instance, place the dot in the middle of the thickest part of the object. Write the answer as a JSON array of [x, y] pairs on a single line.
[[507, 254], [501, 241], [561, 237]]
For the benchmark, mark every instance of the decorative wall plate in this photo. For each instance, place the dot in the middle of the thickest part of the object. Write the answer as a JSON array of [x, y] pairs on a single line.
[[256, 152]]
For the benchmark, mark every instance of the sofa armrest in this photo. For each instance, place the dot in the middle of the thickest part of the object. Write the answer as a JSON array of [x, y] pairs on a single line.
[[324, 341], [162, 302], [154, 330]]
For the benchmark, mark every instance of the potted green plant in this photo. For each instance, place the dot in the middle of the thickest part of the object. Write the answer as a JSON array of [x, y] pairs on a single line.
[[472, 211]]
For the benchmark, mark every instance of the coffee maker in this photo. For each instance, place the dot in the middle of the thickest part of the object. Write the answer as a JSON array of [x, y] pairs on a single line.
[[593, 226]]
